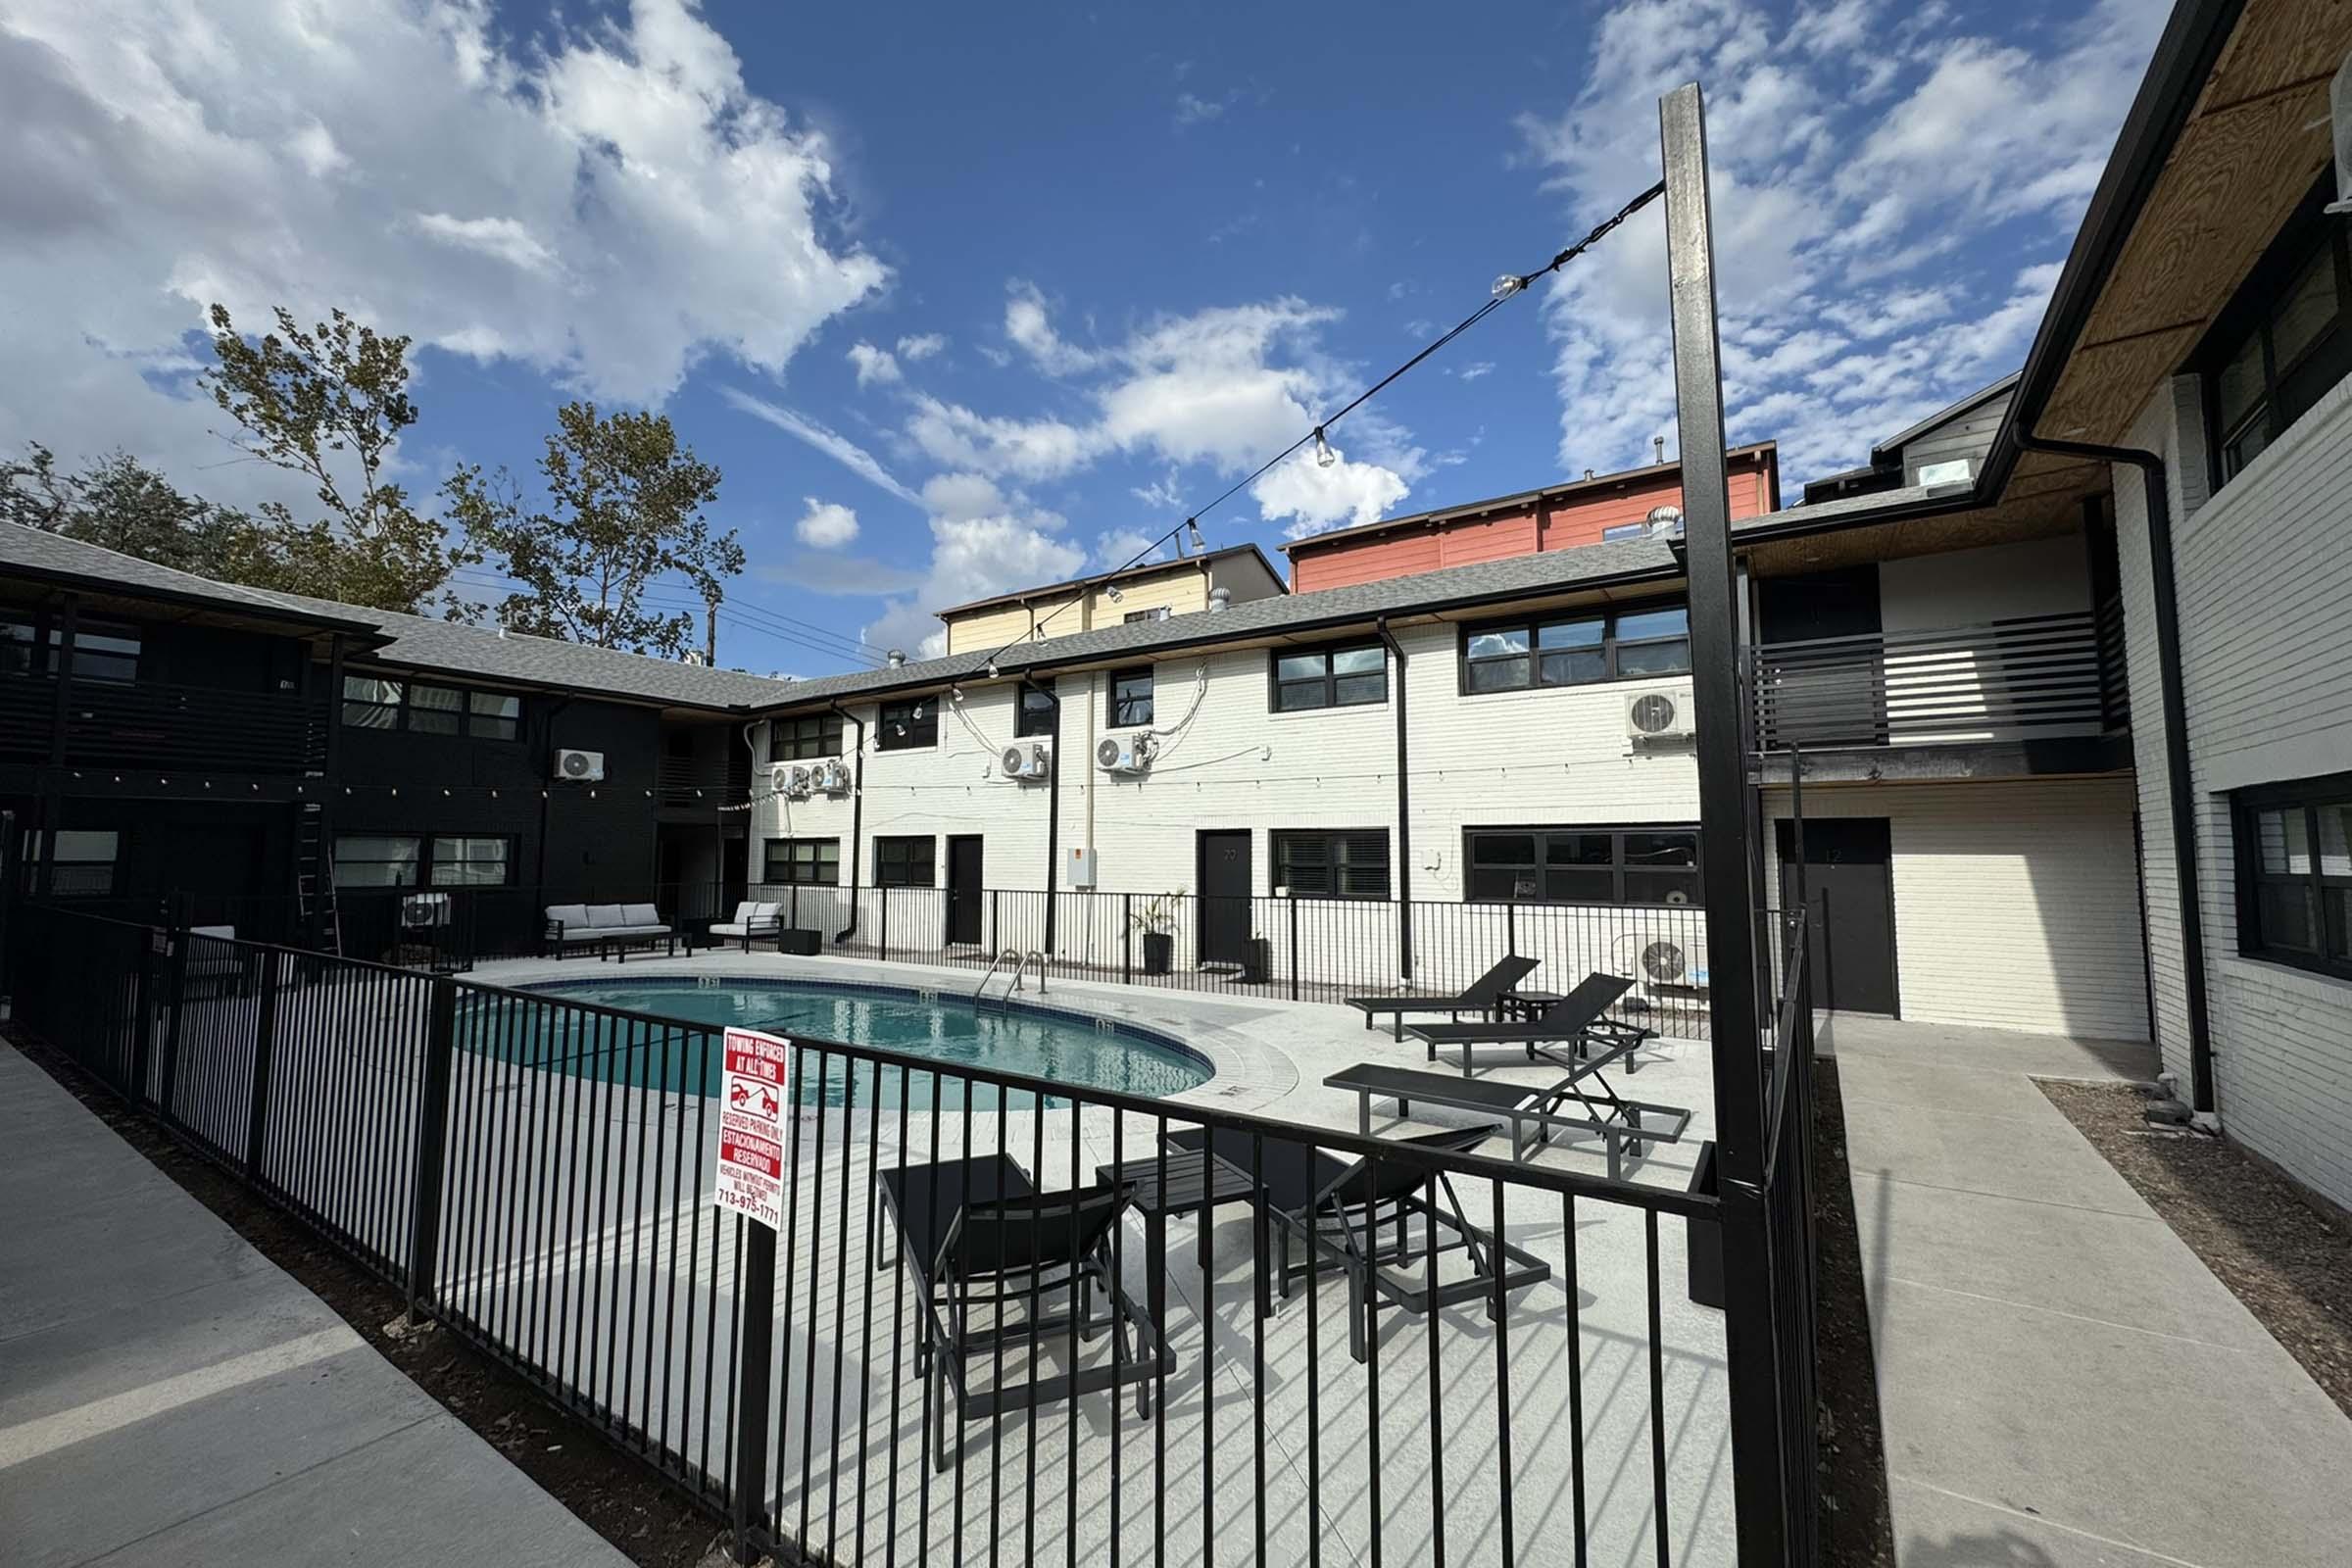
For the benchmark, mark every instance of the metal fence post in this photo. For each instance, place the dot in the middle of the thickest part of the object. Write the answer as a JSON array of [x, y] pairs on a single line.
[[1294, 903], [751, 1377], [142, 1014], [176, 986], [265, 1044], [884, 895], [1126, 936], [995, 919], [432, 1139]]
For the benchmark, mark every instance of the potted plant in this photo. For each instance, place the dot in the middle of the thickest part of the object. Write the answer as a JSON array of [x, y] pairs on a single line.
[[1155, 919]]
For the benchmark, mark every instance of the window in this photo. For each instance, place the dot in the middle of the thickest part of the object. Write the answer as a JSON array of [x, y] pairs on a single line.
[[1131, 698], [1345, 864], [1581, 865], [104, 651], [381, 702], [81, 860], [1576, 650], [814, 861], [470, 863], [1037, 712], [1156, 612], [420, 860], [2282, 342], [377, 860], [494, 716], [2294, 872], [909, 727], [1624, 531], [1342, 676], [435, 710], [796, 740], [903, 863]]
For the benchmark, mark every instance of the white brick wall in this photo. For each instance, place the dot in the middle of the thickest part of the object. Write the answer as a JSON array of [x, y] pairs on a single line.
[[2265, 578], [2015, 904]]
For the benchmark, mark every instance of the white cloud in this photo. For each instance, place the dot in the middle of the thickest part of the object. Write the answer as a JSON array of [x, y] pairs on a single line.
[[873, 364], [1031, 330], [1029, 449], [1127, 547], [962, 494], [826, 525], [1316, 498], [921, 345], [972, 558], [609, 204], [1866, 274], [840, 447], [1194, 110], [1476, 368]]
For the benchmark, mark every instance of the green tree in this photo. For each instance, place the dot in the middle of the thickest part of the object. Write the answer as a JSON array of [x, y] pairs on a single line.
[[625, 511], [121, 503], [330, 405]]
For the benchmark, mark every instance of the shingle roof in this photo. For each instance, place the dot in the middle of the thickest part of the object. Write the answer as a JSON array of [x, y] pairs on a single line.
[[412, 639], [1515, 576], [35, 552]]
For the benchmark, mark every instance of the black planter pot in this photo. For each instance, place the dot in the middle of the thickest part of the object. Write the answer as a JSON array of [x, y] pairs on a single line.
[[1703, 1239], [1160, 952], [799, 941], [1257, 960]]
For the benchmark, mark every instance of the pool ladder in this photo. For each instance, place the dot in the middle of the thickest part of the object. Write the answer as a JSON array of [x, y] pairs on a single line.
[[1020, 961]]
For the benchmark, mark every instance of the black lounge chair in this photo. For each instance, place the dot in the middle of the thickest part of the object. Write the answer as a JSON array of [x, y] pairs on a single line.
[[1536, 1113], [1575, 1020], [1480, 996], [1360, 1219], [978, 1235]]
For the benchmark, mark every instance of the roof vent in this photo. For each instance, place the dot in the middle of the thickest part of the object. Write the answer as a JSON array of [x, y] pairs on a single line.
[[895, 659], [1665, 522], [1658, 444], [1219, 598]]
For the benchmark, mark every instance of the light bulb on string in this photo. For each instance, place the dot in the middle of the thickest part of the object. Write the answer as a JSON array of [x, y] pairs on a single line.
[[1324, 456]]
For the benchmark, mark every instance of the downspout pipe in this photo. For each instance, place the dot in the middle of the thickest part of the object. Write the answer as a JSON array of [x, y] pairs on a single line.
[[1053, 799], [857, 818], [1405, 814], [2177, 788]]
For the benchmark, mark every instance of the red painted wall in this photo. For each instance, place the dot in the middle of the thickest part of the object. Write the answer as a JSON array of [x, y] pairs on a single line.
[[1576, 518]]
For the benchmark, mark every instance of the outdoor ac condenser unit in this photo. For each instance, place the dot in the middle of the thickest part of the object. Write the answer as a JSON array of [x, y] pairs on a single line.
[[1129, 754], [1657, 716], [1027, 761], [831, 776], [788, 779], [584, 768]]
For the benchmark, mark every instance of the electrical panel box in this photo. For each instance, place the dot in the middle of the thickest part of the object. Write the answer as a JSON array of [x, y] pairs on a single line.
[[1080, 870]]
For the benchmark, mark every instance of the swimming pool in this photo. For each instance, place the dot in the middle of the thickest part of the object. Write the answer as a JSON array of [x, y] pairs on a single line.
[[939, 1026]]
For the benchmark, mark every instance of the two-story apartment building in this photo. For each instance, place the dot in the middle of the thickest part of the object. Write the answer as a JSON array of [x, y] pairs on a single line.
[[300, 769], [1151, 591]]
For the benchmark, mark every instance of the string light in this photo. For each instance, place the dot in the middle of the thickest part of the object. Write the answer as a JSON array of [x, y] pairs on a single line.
[[1507, 287]]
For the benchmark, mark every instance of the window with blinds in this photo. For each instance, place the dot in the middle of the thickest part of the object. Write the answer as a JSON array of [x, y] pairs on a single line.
[[1329, 863]]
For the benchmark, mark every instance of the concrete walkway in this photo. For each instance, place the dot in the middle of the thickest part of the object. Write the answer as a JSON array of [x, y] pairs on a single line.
[[169, 1396], [2062, 1383]]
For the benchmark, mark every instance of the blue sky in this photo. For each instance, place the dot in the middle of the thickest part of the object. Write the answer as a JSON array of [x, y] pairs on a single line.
[[963, 298]]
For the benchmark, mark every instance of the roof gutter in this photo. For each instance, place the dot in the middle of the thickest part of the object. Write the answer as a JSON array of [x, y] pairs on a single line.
[[2179, 798]]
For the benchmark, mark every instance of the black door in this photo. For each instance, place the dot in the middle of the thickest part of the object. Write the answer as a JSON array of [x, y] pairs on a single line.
[[964, 898], [1849, 894], [1822, 673], [1225, 882]]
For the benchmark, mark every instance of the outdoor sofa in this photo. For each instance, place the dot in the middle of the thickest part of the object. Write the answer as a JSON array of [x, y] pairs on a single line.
[[606, 928]]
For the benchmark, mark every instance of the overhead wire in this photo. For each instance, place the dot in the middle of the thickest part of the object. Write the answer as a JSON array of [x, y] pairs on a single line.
[[1505, 288]]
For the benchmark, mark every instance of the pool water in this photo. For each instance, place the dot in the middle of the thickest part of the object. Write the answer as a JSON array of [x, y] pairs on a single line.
[[944, 1027]]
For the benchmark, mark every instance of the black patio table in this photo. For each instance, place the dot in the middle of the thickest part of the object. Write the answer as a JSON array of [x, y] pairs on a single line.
[[1187, 1181]]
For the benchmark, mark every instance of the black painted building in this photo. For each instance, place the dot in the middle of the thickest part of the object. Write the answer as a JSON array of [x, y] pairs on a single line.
[[313, 771]]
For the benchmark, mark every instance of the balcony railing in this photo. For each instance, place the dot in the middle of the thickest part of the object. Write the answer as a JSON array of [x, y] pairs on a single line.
[[173, 727], [687, 781], [2029, 678]]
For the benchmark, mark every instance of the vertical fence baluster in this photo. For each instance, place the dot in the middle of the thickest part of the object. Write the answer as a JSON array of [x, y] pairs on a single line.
[[433, 1134], [265, 1043]]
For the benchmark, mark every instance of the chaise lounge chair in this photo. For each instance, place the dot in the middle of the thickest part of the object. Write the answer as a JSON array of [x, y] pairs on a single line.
[[981, 1238], [1536, 1112], [1480, 996], [1361, 1220], [1575, 1020]]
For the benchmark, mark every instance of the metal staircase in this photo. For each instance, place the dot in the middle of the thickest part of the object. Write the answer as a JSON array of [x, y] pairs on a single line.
[[321, 921]]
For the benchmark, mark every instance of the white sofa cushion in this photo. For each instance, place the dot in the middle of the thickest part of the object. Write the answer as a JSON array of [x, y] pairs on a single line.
[[605, 915], [571, 917], [642, 914], [745, 913], [767, 914]]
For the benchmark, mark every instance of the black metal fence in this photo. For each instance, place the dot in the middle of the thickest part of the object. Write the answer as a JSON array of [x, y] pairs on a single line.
[[1443, 1357]]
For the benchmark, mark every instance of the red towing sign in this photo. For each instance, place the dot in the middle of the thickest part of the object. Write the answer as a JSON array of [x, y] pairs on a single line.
[[754, 1088]]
